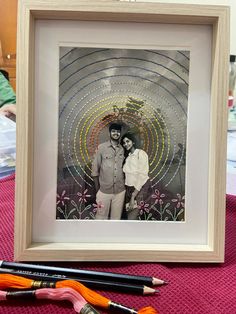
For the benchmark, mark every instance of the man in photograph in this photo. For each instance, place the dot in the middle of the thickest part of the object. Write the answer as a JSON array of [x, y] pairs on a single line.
[[109, 177]]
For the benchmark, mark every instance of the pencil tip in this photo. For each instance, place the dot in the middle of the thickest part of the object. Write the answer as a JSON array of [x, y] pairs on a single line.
[[158, 282], [148, 290]]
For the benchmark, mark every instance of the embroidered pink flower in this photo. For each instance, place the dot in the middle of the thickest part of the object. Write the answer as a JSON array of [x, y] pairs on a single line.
[[142, 206], [62, 198], [158, 197], [98, 206], [83, 196], [179, 201]]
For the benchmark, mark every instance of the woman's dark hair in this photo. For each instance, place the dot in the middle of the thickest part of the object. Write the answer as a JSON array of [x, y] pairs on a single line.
[[130, 136]]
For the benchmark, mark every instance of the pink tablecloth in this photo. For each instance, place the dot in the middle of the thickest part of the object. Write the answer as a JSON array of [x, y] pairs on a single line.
[[192, 288]]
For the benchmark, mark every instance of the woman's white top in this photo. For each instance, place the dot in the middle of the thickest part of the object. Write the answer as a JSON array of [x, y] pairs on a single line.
[[136, 169]]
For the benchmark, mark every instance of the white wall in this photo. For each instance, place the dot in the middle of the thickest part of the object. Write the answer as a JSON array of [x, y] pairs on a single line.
[[231, 3]]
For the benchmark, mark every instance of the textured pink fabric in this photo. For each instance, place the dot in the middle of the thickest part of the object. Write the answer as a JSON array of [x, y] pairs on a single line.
[[192, 288]]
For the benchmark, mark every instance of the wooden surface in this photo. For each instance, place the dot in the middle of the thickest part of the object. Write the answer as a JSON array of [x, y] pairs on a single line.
[[218, 17], [8, 21]]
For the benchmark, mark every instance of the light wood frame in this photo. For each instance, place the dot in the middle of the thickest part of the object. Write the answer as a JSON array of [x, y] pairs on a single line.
[[218, 18]]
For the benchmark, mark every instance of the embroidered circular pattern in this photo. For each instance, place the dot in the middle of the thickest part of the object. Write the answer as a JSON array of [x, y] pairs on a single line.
[[144, 90]]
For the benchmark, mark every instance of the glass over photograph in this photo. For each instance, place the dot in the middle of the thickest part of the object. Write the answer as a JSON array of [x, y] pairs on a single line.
[[122, 130]]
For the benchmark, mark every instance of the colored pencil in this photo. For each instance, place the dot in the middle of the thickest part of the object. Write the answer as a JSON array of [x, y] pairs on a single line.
[[93, 284], [85, 274]]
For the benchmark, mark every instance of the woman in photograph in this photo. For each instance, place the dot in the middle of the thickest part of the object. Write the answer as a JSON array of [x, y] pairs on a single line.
[[136, 168]]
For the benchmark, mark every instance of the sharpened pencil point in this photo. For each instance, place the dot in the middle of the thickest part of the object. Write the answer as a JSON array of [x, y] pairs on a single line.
[[158, 282], [148, 290]]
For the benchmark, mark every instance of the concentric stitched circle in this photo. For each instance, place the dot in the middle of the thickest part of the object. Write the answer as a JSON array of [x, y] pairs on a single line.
[[146, 91]]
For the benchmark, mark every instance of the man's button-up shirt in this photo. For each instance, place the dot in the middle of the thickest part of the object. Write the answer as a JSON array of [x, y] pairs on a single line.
[[107, 165]]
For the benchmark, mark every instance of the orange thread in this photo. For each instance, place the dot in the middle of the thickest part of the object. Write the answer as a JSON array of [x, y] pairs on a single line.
[[15, 282], [148, 310], [89, 295], [18, 282]]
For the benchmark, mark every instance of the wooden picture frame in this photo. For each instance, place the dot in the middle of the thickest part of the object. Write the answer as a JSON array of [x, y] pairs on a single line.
[[217, 17]]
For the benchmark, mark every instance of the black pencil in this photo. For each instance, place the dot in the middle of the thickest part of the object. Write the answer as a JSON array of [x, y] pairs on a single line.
[[94, 284], [85, 274]]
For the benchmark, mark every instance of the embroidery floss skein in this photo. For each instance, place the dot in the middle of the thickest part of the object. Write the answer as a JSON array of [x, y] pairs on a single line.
[[19, 282], [80, 304]]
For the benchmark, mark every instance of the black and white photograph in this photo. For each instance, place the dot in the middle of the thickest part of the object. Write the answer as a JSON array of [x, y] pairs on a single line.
[[122, 130]]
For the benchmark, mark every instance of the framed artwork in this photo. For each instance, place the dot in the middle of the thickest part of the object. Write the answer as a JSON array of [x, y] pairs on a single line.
[[145, 92], [121, 107]]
